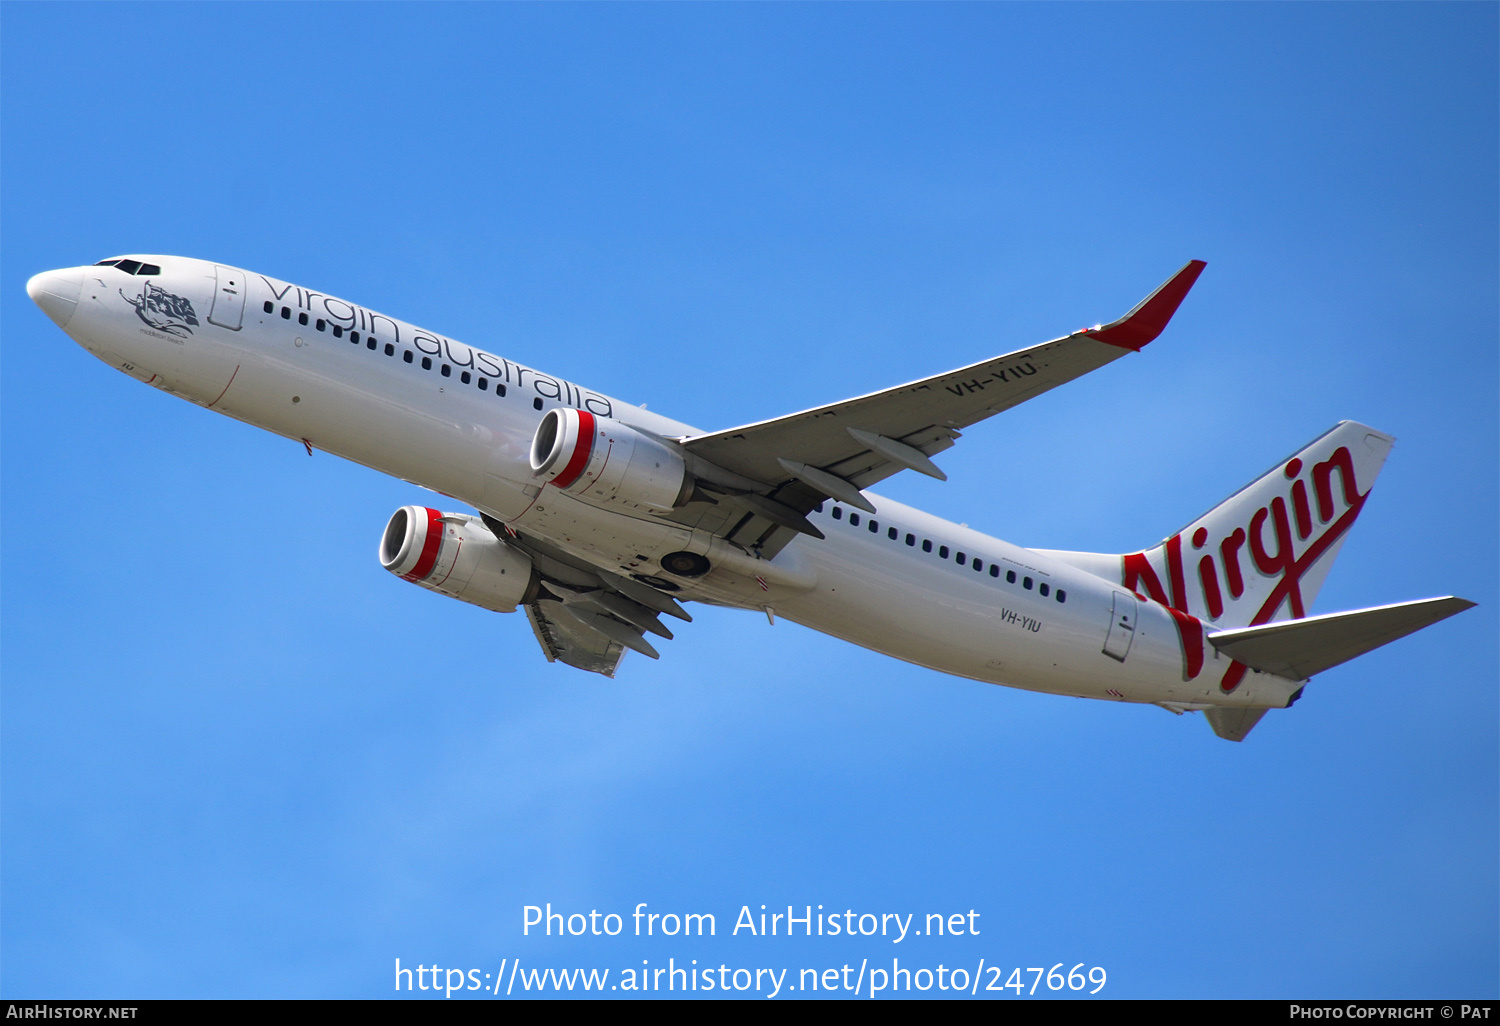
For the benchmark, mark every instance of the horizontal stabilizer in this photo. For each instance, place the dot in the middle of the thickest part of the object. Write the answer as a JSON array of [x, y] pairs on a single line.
[[1297, 649]]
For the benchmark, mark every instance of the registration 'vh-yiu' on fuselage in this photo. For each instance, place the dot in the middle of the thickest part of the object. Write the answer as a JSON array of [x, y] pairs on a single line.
[[598, 517]]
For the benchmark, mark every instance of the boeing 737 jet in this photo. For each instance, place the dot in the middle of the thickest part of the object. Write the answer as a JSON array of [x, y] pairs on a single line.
[[599, 518]]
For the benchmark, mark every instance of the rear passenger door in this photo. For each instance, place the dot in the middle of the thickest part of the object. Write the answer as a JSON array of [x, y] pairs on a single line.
[[1121, 626]]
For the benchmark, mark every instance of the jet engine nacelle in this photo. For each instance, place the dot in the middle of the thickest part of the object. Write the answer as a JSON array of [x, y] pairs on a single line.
[[458, 556], [602, 460]]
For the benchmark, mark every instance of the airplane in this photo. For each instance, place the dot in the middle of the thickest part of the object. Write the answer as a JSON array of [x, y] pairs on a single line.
[[598, 517]]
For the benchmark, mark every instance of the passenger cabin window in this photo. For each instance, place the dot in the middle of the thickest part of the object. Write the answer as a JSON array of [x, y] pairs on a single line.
[[322, 325], [286, 313], [892, 533], [302, 318], [942, 552], [911, 539], [1010, 577], [994, 570], [960, 558], [269, 307], [406, 355], [838, 513], [926, 545], [874, 526], [1026, 583], [483, 384], [338, 331], [978, 563], [447, 371], [854, 519], [1044, 589], [1062, 596], [499, 388], [390, 350], [536, 404], [427, 363], [354, 337], [464, 377]]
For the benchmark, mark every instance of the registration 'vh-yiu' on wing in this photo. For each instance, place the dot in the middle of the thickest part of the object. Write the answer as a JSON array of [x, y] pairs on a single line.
[[836, 450]]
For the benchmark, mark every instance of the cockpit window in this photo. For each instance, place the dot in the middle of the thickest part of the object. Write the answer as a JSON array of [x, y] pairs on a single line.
[[130, 266]]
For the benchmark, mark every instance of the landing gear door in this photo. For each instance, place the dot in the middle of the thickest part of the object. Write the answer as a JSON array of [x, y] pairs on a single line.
[[1121, 626], [228, 309]]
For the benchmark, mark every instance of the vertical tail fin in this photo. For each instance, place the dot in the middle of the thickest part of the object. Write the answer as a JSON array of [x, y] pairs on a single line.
[[1263, 553]]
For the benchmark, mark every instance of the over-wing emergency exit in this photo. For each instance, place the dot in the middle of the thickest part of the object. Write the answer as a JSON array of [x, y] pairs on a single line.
[[600, 518]]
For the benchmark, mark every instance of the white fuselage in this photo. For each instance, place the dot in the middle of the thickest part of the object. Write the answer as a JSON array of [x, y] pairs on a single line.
[[1021, 618]]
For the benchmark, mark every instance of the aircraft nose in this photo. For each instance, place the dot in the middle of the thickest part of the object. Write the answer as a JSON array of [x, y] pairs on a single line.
[[57, 292]]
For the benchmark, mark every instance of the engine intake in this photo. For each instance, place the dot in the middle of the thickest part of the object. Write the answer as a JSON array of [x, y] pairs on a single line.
[[458, 556], [601, 460]]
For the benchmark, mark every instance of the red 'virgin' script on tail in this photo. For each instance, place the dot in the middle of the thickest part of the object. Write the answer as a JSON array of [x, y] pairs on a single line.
[[1279, 563]]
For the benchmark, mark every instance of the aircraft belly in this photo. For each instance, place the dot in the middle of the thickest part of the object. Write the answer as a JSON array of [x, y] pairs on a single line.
[[634, 544], [431, 435], [926, 620], [454, 446], [927, 614], [622, 543]]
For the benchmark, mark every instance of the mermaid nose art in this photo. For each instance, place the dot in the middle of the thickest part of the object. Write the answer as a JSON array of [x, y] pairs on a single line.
[[57, 292]]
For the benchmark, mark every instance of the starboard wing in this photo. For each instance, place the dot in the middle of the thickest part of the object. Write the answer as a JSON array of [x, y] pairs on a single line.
[[833, 451]]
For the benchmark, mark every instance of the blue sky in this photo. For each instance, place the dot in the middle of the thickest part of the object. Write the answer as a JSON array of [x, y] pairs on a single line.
[[240, 759]]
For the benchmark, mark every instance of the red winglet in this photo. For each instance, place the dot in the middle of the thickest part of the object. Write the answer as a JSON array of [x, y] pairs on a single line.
[[1150, 316]]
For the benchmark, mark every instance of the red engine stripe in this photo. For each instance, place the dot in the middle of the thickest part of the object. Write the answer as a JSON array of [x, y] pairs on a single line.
[[582, 449], [430, 546]]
